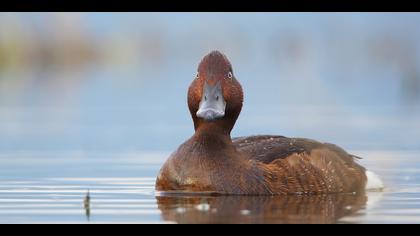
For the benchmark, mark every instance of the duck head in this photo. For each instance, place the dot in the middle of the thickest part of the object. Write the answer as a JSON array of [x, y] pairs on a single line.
[[215, 97]]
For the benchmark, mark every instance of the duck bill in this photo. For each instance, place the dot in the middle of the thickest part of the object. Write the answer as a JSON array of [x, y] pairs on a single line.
[[212, 105]]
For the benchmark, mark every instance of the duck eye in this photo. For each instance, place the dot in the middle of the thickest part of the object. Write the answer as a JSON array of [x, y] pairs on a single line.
[[230, 75]]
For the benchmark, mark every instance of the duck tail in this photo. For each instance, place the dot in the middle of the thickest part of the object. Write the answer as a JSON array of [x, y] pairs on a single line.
[[373, 181]]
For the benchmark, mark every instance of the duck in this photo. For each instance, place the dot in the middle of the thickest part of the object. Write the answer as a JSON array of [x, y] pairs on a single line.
[[212, 162]]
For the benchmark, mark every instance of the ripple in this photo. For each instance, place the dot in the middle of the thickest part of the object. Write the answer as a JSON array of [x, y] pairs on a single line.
[[133, 200]]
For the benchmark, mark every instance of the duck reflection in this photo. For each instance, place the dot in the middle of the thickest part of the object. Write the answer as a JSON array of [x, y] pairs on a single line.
[[318, 209]]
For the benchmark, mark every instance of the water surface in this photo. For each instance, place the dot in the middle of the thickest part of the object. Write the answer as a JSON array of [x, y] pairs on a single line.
[[121, 190]]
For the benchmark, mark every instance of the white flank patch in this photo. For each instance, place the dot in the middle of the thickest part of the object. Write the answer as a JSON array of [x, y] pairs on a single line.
[[373, 181]]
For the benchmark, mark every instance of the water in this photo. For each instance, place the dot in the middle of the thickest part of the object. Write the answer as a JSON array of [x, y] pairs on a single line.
[[121, 190]]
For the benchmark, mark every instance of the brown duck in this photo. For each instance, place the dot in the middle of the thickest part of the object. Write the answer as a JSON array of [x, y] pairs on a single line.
[[211, 162]]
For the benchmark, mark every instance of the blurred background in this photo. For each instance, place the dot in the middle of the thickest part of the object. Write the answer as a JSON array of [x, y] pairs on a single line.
[[87, 83]]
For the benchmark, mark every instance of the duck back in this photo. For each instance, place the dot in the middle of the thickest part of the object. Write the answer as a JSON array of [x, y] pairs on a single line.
[[300, 165]]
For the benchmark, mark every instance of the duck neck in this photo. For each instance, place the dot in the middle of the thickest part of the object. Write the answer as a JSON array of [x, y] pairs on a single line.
[[212, 136]]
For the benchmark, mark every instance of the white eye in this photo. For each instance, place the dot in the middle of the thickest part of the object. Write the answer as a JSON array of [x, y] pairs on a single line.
[[197, 75], [230, 75]]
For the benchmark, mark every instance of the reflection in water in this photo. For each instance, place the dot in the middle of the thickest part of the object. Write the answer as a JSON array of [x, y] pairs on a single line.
[[260, 209], [87, 205]]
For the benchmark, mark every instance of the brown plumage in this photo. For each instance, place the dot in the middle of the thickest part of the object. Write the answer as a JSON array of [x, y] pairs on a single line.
[[211, 162]]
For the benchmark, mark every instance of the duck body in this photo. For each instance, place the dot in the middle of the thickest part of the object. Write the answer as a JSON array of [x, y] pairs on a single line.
[[261, 165], [211, 162]]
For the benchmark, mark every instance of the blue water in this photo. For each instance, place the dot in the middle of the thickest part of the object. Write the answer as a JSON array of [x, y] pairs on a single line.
[[36, 189]]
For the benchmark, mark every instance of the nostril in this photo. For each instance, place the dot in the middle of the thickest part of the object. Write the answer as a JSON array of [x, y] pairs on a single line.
[[205, 98], [217, 98]]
